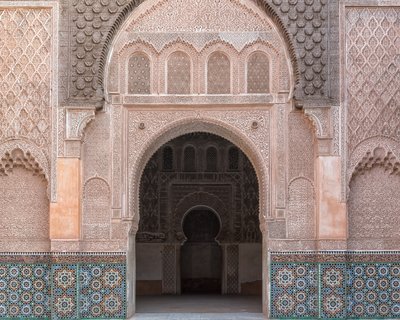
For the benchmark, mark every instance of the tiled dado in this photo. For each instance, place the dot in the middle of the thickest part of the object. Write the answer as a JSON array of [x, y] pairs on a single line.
[[335, 285], [62, 286]]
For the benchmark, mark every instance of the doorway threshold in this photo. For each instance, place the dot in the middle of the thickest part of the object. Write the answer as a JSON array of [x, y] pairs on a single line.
[[193, 306]]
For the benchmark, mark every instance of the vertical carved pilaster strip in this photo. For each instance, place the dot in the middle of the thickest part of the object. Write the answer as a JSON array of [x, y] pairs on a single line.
[[232, 269], [116, 157], [281, 158], [169, 267]]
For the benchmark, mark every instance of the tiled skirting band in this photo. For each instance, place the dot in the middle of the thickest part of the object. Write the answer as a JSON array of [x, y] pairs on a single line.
[[62, 286], [335, 285]]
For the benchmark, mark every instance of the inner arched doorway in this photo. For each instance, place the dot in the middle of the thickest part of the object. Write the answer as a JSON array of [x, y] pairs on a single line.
[[201, 254], [199, 221]]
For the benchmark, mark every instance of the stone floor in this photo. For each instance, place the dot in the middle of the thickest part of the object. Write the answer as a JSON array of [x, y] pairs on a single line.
[[199, 307]]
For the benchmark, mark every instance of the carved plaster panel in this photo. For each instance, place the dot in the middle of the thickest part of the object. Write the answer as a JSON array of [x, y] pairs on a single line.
[[321, 120], [32, 154], [365, 152], [372, 81], [24, 211], [96, 147], [304, 26], [249, 130], [281, 138], [28, 80], [371, 76], [151, 31], [77, 119], [307, 22], [374, 201]]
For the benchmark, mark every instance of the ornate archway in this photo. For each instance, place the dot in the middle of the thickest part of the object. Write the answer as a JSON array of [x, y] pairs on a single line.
[[150, 105]]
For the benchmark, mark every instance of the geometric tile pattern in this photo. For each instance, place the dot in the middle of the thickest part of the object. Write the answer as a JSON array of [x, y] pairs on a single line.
[[64, 291], [294, 290], [374, 291], [332, 288], [24, 291], [102, 291], [66, 287], [332, 278]]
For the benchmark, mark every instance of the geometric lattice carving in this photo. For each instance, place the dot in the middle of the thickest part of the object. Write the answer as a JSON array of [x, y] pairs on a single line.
[[211, 159], [307, 22], [233, 159], [189, 159], [169, 269], [378, 158], [250, 204], [96, 211], [25, 59], [232, 269], [219, 74], [17, 158], [301, 218], [179, 73], [373, 205], [373, 73], [258, 73], [206, 15], [139, 74], [166, 195], [168, 158], [149, 220], [301, 147], [24, 210]]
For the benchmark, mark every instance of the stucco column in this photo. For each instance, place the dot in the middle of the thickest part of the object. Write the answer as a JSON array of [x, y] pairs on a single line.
[[332, 218], [65, 213]]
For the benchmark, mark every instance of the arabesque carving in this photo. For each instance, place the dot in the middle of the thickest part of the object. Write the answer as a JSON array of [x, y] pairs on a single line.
[[77, 120], [306, 22], [141, 33], [372, 74], [25, 75], [236, 126]]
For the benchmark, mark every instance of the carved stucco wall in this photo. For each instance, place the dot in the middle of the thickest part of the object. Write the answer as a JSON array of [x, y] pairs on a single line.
[[214, 61], [96, 148], [27, 79], [235, 127], [372, 74], [311, 26], [373, 209], [28, 40], [23, 203], [301, 219], [372, 79], [96, 211]]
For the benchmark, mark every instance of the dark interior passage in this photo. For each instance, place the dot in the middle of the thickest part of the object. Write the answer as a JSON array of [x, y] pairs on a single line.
[[198, 229], [201, 255]]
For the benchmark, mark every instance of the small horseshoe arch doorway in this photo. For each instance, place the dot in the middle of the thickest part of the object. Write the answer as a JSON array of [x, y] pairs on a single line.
[[201, 254], [198, 232]]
